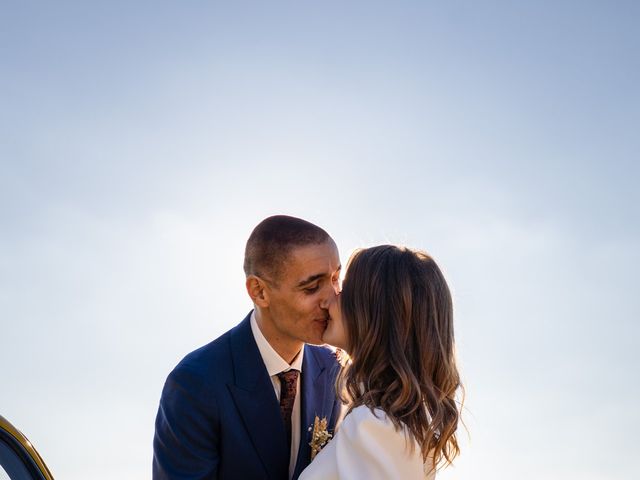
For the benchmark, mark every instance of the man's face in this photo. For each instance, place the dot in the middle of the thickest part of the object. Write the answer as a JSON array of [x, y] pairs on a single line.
[[307, 284]]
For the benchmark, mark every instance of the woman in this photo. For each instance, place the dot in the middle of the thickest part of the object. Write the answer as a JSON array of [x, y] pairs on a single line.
[[394, 318]]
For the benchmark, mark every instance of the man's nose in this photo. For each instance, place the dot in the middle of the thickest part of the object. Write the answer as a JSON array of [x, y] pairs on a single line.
[[329, 298]]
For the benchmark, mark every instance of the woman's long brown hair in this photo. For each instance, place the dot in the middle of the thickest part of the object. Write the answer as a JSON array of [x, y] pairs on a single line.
[[398, 315]]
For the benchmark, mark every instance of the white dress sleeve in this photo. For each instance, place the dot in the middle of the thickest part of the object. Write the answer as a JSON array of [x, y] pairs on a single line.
[[368, 447]]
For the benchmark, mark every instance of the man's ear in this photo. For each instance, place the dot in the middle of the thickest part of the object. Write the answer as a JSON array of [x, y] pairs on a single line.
[[256, 288]]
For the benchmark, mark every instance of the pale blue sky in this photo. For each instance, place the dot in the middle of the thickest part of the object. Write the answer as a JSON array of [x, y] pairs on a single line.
[[141, 142]]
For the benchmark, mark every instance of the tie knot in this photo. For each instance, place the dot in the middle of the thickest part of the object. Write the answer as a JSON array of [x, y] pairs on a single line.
[[289, 377]]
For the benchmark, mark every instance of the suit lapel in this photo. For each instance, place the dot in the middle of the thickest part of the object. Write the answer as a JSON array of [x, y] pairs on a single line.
[[256, 401], [313, 402]]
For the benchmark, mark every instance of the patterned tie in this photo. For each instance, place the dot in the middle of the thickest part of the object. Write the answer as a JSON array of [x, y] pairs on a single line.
[[288, 384]]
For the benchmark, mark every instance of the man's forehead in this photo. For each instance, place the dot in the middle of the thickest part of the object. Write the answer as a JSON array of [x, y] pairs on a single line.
[[319, 259]]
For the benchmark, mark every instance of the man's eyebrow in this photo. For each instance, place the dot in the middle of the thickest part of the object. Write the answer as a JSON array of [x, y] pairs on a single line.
[[311, 279], [315, 277]]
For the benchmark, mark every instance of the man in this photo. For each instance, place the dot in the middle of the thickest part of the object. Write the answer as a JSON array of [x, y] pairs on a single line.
[[241, 406]]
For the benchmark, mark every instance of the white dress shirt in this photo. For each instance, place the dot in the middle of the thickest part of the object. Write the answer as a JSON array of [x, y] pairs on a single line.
[[368, 447], [276, 364]]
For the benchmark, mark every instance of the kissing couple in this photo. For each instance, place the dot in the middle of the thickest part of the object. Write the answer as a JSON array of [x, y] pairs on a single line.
[[263, 399]]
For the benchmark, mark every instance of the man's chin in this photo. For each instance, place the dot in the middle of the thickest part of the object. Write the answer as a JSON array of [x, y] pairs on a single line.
[[316, 333], [316, 340]]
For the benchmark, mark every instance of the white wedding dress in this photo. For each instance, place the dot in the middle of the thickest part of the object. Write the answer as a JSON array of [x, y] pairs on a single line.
[[368, 447]]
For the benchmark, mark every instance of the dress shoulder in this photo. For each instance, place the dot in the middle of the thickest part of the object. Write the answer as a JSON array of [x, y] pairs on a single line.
[[370, 446]]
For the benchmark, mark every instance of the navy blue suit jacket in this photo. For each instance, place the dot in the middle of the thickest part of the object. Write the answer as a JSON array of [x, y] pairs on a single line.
[[219, 417]]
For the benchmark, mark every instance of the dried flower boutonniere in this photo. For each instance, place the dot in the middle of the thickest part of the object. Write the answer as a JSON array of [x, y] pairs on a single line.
[[319, 436]]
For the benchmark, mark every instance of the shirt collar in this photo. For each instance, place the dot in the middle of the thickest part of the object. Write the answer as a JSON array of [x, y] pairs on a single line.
[[274, 362]]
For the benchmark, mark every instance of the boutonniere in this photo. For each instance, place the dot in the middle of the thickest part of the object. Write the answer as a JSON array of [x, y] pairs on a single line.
[[319, 436]]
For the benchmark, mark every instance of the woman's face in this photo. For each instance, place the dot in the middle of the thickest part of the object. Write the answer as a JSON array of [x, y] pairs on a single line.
[[336, 333]]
